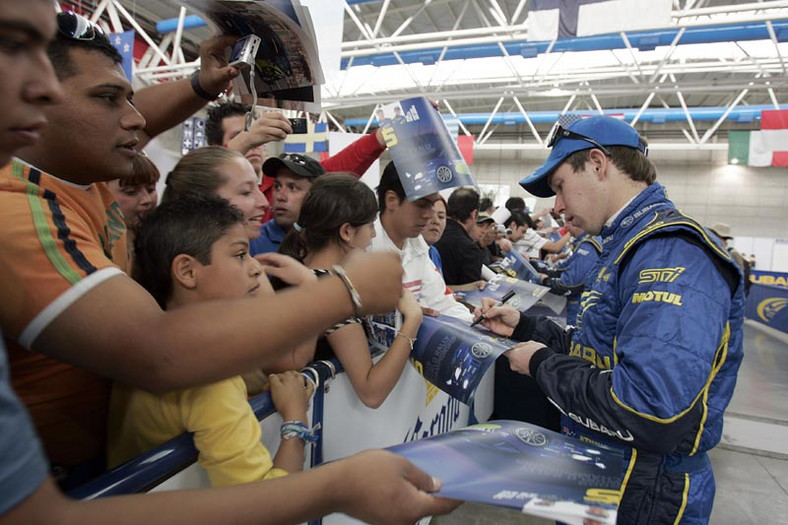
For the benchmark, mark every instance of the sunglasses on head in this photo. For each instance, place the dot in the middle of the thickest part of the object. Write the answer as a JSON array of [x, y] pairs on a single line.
[[77, 27], [295, 157], [559, 132]]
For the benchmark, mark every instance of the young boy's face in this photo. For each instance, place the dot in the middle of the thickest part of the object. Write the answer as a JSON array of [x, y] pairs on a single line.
[[233, 272]]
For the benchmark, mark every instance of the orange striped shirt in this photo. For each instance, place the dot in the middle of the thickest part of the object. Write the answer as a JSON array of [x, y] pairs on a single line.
[[58, 240]]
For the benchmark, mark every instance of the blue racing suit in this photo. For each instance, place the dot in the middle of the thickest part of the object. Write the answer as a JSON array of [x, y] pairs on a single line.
[[568, 277], [653, 363]]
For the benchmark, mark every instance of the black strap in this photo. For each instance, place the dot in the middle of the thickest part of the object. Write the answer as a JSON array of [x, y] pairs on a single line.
[[198, 89]]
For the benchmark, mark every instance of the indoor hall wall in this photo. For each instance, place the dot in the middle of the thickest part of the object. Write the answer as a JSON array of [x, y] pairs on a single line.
[[753, 201]]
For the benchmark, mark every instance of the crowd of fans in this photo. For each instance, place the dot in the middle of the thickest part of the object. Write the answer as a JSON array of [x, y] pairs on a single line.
[[251, 267]]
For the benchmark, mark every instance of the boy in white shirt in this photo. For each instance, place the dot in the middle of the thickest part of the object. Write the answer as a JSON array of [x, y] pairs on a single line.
[[398, 229]]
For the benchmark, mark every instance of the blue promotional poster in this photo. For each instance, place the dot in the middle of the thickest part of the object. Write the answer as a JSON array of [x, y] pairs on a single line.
[[514, 264], [427, 158], [522, 466], [448, 352], [526, 294]]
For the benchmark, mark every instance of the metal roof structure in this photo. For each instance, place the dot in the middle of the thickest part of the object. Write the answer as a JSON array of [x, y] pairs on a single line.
[[713, 68]]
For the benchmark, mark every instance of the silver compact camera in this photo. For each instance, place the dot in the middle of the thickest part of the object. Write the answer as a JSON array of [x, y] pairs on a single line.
[[500, 229], [244, 51]]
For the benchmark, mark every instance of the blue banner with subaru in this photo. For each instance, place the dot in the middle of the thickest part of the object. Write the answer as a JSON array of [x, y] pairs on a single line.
[[768, 305], [769, 278]]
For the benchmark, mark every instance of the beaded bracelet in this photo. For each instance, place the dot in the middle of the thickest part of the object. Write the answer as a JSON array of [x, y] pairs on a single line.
[[354, 296], [297, 429], [198, 89]]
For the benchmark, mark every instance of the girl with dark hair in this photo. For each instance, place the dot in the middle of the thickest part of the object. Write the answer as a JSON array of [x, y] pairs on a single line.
[[136, 195], [337, 218]]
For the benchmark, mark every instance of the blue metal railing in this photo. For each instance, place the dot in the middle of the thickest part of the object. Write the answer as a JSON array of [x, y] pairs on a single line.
[[160, 463]]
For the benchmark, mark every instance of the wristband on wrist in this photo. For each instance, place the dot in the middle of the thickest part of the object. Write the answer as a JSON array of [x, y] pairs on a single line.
[[354, 296], [411, 340], [199, 91], [297, 429]]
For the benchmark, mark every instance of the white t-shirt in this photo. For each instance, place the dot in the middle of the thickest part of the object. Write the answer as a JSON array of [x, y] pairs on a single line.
[[530, 244], [421, 277]]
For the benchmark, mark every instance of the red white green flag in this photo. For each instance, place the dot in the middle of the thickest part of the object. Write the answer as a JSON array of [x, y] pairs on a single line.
[[766, 147]]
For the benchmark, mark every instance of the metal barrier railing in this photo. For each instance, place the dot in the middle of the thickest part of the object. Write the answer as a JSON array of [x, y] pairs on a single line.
[[164, 461]]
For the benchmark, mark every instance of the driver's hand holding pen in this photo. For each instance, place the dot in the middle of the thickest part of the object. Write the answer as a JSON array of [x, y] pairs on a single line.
[[497, 317]]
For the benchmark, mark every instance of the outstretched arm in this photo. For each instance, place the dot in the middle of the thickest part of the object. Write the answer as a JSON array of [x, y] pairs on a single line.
[[168, 104], [373, 382], [556, 246], [375, 486], [271, 126], [117, 330], [357, 157]]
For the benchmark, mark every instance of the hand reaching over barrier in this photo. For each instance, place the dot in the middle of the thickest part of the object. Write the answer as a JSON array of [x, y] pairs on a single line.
[[374, 486], [290, 393], [384, 488]]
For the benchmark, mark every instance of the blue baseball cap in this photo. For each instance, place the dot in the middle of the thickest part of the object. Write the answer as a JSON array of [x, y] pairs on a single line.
[[593, 132]]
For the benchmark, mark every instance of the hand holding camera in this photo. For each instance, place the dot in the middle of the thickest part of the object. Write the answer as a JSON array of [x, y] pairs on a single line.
[[500, 229], [244, 52], [298, 125], [271, 126]]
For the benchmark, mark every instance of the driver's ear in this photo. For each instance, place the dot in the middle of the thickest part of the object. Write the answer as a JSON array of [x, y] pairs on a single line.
[[600, 162]]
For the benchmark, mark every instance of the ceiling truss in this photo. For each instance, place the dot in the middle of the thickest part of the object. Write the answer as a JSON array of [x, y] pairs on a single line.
[[723, 74]]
